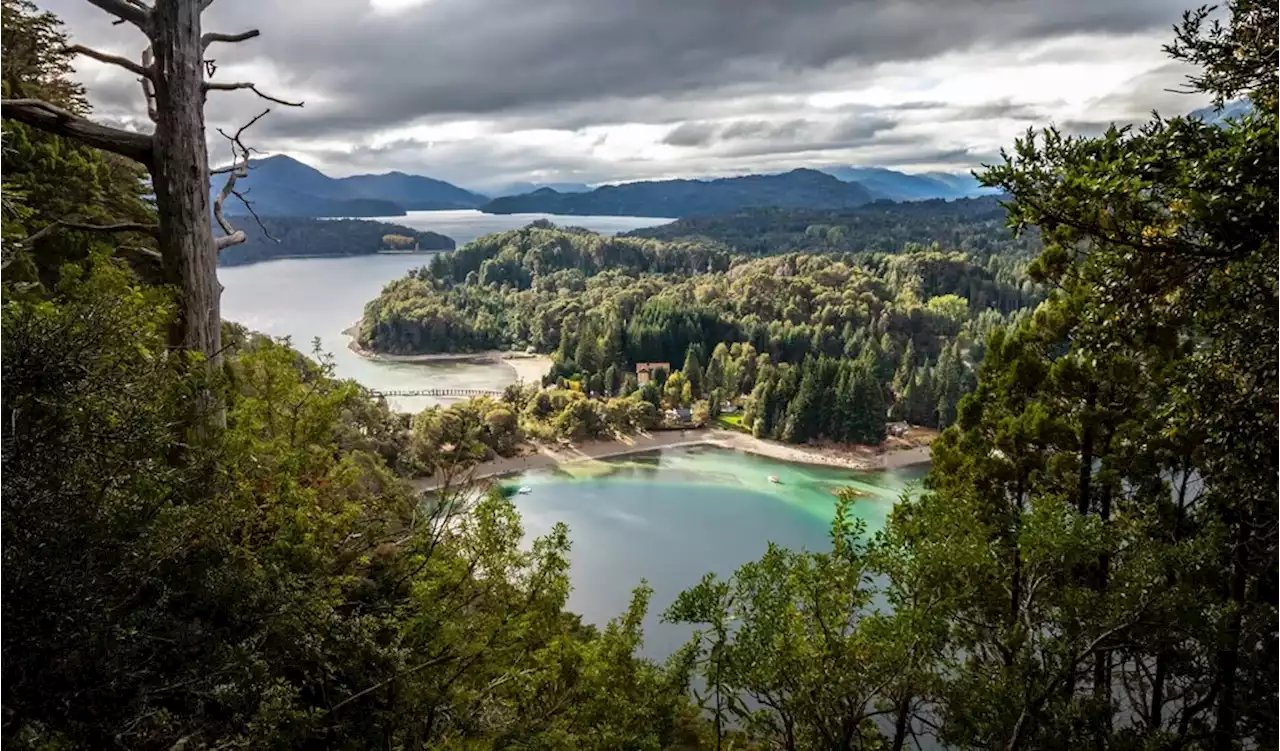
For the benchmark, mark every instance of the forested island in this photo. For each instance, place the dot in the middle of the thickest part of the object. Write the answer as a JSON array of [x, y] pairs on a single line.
[[822, 344], [297, 237], [210, 542]]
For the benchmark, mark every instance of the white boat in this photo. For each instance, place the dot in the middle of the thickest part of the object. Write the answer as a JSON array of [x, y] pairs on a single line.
[[774, 479], [525, 489]]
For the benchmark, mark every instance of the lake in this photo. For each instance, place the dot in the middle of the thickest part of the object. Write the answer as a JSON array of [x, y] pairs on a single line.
[[305, 298], [671, 516], [668, 517]]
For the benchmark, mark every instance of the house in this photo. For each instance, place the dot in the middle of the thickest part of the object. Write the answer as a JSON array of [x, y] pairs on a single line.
[[645, 370], [679, 414]]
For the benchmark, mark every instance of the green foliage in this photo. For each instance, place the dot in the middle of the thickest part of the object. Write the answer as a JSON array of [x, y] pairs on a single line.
[[975, 226], [277, 585], [790, 649], [49, 179], [546, 288]]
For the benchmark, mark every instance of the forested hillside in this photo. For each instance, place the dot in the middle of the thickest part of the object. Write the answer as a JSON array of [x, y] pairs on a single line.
[[209, 541], [801, 187], [976, 226], [291, 237], [603, 304]]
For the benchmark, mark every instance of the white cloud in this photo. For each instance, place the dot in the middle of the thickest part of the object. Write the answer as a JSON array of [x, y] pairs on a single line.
[[488, 91]]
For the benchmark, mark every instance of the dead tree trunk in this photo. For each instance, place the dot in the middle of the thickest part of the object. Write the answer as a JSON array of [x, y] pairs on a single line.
[[173, 82], [181, 177]]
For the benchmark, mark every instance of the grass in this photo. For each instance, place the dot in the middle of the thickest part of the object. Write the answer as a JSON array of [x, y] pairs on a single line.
[[732, 422]]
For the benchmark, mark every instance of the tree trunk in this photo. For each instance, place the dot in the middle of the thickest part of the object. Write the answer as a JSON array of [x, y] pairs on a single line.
[[901, 724], [180, 176], [1086, 452], [1228, 658], [1163, 656]]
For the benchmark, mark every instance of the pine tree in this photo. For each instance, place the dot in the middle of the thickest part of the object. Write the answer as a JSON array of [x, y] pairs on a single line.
[[587, 354], [800, 423], [715, 370], [692, 371], [869, 412]]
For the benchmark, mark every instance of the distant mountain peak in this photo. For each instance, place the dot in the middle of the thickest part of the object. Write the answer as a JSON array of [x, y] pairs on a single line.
[[285, 186], [900, 186]]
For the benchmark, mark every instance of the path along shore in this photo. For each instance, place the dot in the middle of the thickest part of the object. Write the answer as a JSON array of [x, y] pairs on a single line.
[[895, 453]]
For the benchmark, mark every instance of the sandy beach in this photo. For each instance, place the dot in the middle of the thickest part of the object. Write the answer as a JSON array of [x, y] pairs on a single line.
[[528, 367], [895, 453]]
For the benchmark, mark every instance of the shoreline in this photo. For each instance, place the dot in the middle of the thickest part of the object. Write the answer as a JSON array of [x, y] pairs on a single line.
[[862, 458], [528, 367], [312, 256]]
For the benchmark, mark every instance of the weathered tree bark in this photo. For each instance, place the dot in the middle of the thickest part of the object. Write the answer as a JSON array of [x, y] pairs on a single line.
[[53, 119], [181, 177], [172, 72]]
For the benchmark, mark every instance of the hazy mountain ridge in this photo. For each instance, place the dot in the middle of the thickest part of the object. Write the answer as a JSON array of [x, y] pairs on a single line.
[[680, 198], [900, 186], [1230, 110], [282, 186]]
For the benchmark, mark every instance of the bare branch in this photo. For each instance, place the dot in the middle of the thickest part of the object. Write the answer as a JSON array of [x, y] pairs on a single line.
[[239, 168], [66, 224], [211, 86], [142, 70], [126, 10], [53, 119], [226, 241], [148, 90], [213, 36]]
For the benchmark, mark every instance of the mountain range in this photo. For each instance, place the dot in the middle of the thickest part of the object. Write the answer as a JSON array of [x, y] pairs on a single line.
[[283, 186], [520, 188], [898, 186], [680, 198], [1214, 116]]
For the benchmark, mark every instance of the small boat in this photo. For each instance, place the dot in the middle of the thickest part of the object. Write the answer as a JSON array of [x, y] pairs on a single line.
[[774, 479], [525, 490]]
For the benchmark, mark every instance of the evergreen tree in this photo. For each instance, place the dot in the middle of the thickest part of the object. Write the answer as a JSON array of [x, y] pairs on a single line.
[[869, 410], [613, 346], [715, 370], [692, 371], [800, 421], [587, 354]]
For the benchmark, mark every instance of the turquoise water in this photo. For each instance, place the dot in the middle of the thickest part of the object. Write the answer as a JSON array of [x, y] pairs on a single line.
[[671, 516]]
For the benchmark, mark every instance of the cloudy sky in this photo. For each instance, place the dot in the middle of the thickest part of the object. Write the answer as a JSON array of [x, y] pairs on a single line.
[[481, 92]]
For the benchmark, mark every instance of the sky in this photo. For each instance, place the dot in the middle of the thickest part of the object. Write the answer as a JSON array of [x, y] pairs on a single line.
[[487, 92]]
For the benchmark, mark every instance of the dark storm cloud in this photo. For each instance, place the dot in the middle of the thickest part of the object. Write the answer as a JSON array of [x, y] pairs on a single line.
[[692, 133], [1002, 109], [788, 129], [495, 57]]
